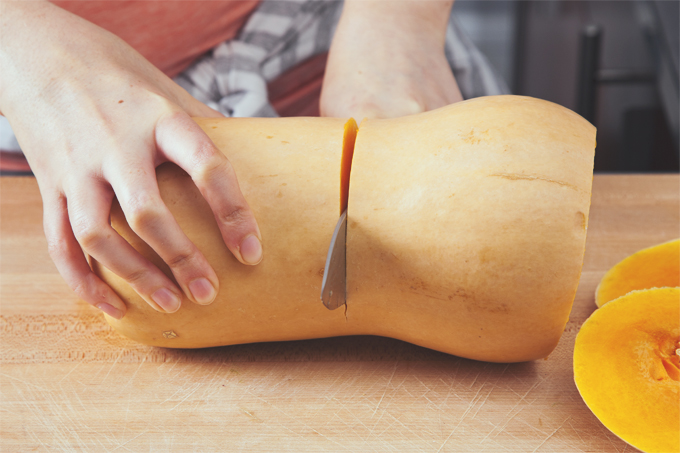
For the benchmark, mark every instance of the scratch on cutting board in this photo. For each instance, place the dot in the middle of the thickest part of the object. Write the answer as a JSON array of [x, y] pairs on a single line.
[[343, 406], [394, 390], [23, 382], [577, 433], [104, 447], [69, 373], [503, 427], [450, 391], [394, 370], [113, 364], [127, 413], [196, 387], [46, 422], [462, 418], [338, 387], [132, 378], [34, 437], [409, 429], [423, 384], [179, 390], [217, 447], [294, 419], [521, 399], [478, 373], [484, 400], [551, 434], [80, 401], [612, 440], [493, 387], [64, 417], [128, 441]]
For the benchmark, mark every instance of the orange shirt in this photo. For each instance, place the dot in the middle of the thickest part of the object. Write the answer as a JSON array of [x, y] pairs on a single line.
[[171, 34]]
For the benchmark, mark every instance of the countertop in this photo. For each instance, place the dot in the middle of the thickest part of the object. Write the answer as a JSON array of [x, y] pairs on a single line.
[[69, 383]]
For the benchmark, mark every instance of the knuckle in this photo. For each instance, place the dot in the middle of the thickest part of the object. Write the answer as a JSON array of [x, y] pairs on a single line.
[[84, 289], [234, 216], [88, 290], [56, 248], [181, 259], [209, 163], [136, 276], [143, 210], [81, 288], [88, 233], [173, 114]]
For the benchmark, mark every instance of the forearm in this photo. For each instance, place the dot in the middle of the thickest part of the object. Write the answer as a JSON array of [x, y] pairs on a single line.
[[25, 28], [385, 17], [387, 59]]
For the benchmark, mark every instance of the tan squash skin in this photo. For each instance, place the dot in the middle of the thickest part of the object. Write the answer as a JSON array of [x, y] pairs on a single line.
[[468, 224], [289, 171], [466, 231]]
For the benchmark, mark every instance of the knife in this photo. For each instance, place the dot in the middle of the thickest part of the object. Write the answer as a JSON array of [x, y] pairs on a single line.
[[334, 284]]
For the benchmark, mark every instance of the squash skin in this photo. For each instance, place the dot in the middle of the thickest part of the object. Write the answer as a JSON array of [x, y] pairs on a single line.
[[508, 179], [499, 289], [654, 267], [289, 171], [619, 369]]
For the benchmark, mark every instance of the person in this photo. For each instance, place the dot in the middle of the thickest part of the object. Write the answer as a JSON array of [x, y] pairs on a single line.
[[95, 116]]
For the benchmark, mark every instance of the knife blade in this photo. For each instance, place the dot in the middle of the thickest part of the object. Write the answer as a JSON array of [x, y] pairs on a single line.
[[334, 284]]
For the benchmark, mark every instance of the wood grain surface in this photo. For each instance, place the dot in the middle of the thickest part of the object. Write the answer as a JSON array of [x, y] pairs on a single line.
[[69, 383]]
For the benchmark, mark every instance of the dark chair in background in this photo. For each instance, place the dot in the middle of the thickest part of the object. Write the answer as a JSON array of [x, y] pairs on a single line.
[[650, 135]]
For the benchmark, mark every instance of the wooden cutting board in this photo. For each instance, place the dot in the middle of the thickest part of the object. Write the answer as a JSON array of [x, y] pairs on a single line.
[[69, 383]]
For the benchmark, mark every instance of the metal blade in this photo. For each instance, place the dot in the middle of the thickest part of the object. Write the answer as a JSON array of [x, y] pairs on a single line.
[[334, 284]]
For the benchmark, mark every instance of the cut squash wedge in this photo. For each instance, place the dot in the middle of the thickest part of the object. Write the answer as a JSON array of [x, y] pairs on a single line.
[[653, 267], [626, 368]]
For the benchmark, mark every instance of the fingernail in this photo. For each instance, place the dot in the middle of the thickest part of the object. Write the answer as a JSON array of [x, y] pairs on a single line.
[[110, 310], [251, 250], [167, 300], [202, 290]]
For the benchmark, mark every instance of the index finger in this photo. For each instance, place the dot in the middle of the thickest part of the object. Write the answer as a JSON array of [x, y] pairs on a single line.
[[183, 142]]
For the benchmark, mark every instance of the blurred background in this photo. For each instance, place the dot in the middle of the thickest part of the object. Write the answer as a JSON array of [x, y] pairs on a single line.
[[614, 62]]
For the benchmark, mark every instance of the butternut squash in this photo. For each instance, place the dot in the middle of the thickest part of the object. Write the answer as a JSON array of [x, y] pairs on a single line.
[[466, 230], [626, 368], [653, 267]]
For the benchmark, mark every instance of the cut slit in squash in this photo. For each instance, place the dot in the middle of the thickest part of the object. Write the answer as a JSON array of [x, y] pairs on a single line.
[[348, 140]]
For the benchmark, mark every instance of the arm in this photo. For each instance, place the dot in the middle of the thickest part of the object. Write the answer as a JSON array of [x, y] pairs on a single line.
[[387, 59], [95, 119]]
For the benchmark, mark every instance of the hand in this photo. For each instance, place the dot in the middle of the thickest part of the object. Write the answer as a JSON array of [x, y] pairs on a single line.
[[387, 60], [95, 119]]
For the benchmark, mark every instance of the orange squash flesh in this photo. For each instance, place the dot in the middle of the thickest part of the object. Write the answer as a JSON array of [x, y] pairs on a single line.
[[348, 140], [653, 267], [626, 368]]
